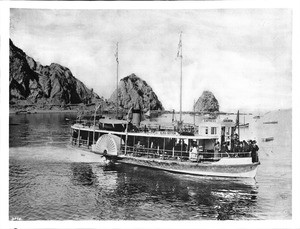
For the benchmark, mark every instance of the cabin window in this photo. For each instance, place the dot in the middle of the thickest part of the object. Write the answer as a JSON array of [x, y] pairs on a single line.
[[206, 130], [214, 130]]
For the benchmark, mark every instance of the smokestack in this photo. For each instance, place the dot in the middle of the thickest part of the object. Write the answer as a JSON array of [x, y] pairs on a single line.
[[136, 115]]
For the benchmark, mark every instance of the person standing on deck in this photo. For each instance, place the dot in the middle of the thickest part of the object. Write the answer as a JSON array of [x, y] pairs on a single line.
[[245, 146], [216, 149], [254, 150], [249, 145], [228, 147], [193, 154]]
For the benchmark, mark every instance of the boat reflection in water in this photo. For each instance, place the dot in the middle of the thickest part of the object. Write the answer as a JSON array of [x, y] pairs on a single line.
[[136, 193]]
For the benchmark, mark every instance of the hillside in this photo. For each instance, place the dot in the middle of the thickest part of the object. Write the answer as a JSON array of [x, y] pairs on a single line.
[[207, 102], [31, 83], [133, 91]]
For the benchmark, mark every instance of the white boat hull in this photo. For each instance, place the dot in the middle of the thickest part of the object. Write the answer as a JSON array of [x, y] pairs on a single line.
[[109, 145], [217, 169]]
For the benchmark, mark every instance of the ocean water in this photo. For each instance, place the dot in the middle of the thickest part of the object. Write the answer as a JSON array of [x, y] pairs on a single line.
[[50, 180]]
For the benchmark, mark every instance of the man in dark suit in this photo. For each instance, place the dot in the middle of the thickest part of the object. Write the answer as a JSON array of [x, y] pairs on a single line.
[[254, 150]]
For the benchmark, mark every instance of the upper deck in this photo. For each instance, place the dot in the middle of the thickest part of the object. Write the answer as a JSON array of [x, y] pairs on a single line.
[[208, 128], [143, 133]]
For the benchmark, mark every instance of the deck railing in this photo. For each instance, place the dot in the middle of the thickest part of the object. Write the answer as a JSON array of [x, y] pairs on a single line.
[[140, 151], [80, 142], [151, 128], [167, 129], [165, 154]]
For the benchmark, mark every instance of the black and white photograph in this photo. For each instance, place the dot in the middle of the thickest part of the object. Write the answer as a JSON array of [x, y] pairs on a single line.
[[169, 114]]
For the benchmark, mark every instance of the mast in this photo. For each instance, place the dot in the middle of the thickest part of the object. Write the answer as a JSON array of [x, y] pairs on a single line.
[[179, 54], [238, 122], [173, 115], [117, 60], [96, 108]]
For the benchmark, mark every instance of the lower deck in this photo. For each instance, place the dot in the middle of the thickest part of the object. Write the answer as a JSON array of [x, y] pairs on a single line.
[[174, 153]]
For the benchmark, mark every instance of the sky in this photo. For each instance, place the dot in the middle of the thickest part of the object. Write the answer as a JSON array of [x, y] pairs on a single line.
[[243, 56]]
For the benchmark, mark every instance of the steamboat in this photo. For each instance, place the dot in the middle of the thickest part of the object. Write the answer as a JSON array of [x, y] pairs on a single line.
[[176, 146]]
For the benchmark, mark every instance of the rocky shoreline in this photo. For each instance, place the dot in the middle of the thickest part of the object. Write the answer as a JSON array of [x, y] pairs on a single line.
[[37, 88], [38, 111], [78, 108]]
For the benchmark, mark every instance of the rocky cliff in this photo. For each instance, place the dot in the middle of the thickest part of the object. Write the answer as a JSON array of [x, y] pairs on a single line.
[[32, 83], [133, 91], [207, 103]]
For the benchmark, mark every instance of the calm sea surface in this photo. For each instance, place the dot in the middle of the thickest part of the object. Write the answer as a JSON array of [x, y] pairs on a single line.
[[49, 180]]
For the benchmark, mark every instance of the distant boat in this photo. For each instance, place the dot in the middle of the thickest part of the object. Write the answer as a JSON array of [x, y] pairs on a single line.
[[256, 117], [23, 112], [272, 122], [268, 139]]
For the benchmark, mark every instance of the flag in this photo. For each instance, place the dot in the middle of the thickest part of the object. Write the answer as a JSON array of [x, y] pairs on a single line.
[[117, 53], [179, 51]]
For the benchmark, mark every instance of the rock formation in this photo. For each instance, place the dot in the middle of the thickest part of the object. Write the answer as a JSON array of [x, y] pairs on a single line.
[[34, 83], [133, 91], [207, 103]]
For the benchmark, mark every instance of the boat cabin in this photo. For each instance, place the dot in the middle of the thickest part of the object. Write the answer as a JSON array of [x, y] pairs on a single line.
[[159, 140], [227, 130]]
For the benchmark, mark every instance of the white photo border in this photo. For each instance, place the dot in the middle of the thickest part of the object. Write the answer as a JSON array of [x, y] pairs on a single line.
[[4, 90]]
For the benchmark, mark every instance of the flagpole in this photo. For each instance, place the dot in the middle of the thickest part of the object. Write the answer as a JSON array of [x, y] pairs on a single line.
[[96, 108], [238, 123], [180, 55], [117, 59]]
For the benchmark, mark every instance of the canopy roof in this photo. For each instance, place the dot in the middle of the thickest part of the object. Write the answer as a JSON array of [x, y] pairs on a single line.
[[112, 121]]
